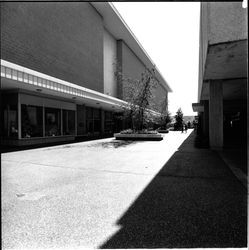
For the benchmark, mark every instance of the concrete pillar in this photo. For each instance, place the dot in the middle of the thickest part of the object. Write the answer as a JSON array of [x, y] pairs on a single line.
[[215, 115]]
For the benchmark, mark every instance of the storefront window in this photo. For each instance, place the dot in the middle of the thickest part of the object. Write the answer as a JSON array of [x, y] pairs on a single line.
[[10, 125], [32, 121], [108, 122], [52, 122], [68, 122], [89, 120], [96, 120]]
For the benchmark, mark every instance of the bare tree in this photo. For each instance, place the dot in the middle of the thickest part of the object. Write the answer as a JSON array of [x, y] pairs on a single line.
[[165, 116], [138, 94]]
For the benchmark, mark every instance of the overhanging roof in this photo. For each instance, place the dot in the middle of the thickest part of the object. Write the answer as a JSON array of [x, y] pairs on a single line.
[[197, 107], [116, 25], [14, 76]]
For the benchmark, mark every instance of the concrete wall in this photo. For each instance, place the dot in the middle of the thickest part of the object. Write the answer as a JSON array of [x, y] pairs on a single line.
[[59, 39], [110, 58], [131, 64], [133, 67], [160, 95], [228, 22], [203, 43], [219, 22]]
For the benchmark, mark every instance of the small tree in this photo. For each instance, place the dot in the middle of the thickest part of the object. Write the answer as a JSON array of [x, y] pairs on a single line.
[[138, 95], [178, 119], [165, 117]]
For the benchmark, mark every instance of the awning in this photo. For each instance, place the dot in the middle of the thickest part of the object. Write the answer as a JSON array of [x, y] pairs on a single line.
[[14, 76], [197, 107]]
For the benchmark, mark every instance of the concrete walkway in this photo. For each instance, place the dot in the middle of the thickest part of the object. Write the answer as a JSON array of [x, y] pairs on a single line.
[[117, 194]]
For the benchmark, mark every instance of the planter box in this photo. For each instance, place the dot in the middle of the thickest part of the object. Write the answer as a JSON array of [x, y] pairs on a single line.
[[145, 137], [164, 131]]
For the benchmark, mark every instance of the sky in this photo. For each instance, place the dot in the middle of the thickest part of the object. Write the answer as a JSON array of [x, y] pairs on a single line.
[[169, 33]]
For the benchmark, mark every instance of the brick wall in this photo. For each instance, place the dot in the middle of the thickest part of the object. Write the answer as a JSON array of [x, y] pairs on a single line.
[[64, 40]]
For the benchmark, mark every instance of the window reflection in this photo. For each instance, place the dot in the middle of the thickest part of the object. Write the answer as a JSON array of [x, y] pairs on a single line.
[[10, 125], [96, 120], [52, 122], [89, 120], [93, 121], [108, 122], [68, 122], [32, 121]]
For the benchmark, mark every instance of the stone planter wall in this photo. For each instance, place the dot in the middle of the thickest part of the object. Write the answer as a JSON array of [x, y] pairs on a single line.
[[149, 137]]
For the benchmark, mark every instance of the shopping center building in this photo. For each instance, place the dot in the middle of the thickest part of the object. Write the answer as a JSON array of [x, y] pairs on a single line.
[[58, 64], [222, 92]]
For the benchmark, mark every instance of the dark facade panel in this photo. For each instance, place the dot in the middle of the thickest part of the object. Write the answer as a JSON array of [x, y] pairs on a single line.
[[160, 98], [133, 67], [64, 40]]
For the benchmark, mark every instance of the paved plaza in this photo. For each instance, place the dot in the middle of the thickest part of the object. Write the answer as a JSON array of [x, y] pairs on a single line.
[[121, 194]]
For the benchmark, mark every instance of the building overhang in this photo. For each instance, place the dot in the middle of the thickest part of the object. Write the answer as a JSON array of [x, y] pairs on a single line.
[[226, 61], [116, 25], [198, 107], [14, 76]]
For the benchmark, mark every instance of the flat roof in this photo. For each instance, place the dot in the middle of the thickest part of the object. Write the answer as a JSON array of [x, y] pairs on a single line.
[[116, 25]]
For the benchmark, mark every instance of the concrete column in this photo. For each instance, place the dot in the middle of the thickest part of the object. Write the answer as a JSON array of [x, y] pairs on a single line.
[[215, 115]]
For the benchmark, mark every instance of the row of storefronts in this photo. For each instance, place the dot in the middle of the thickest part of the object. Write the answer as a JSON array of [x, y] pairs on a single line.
[[30, 119], [33, 113]]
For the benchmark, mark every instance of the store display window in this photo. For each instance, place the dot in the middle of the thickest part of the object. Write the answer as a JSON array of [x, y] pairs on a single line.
[[32, 121], [68, 122], [10, 118], [52, 122]]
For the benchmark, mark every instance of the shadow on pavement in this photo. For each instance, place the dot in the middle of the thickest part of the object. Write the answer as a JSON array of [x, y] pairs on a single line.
[[7, 149], [193, 202]]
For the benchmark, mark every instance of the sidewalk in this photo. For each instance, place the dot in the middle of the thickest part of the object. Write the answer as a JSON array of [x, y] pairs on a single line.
[[119, 194], [236, 159], [194, 202]]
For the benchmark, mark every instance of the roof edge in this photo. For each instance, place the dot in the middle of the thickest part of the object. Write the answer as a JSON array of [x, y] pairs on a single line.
[[100, 6]]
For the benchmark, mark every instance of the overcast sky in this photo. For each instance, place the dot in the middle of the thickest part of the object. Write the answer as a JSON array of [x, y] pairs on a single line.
[[169, 32]]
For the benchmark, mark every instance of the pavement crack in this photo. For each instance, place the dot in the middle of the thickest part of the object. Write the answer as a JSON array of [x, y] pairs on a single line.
[[85, 169]]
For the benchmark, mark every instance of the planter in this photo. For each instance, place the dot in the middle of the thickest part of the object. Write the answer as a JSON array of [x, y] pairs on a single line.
[[137, 137], [163, 131]]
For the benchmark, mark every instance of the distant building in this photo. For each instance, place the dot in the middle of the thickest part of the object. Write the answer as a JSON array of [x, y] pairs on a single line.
[[222, 92], [57, 70]]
